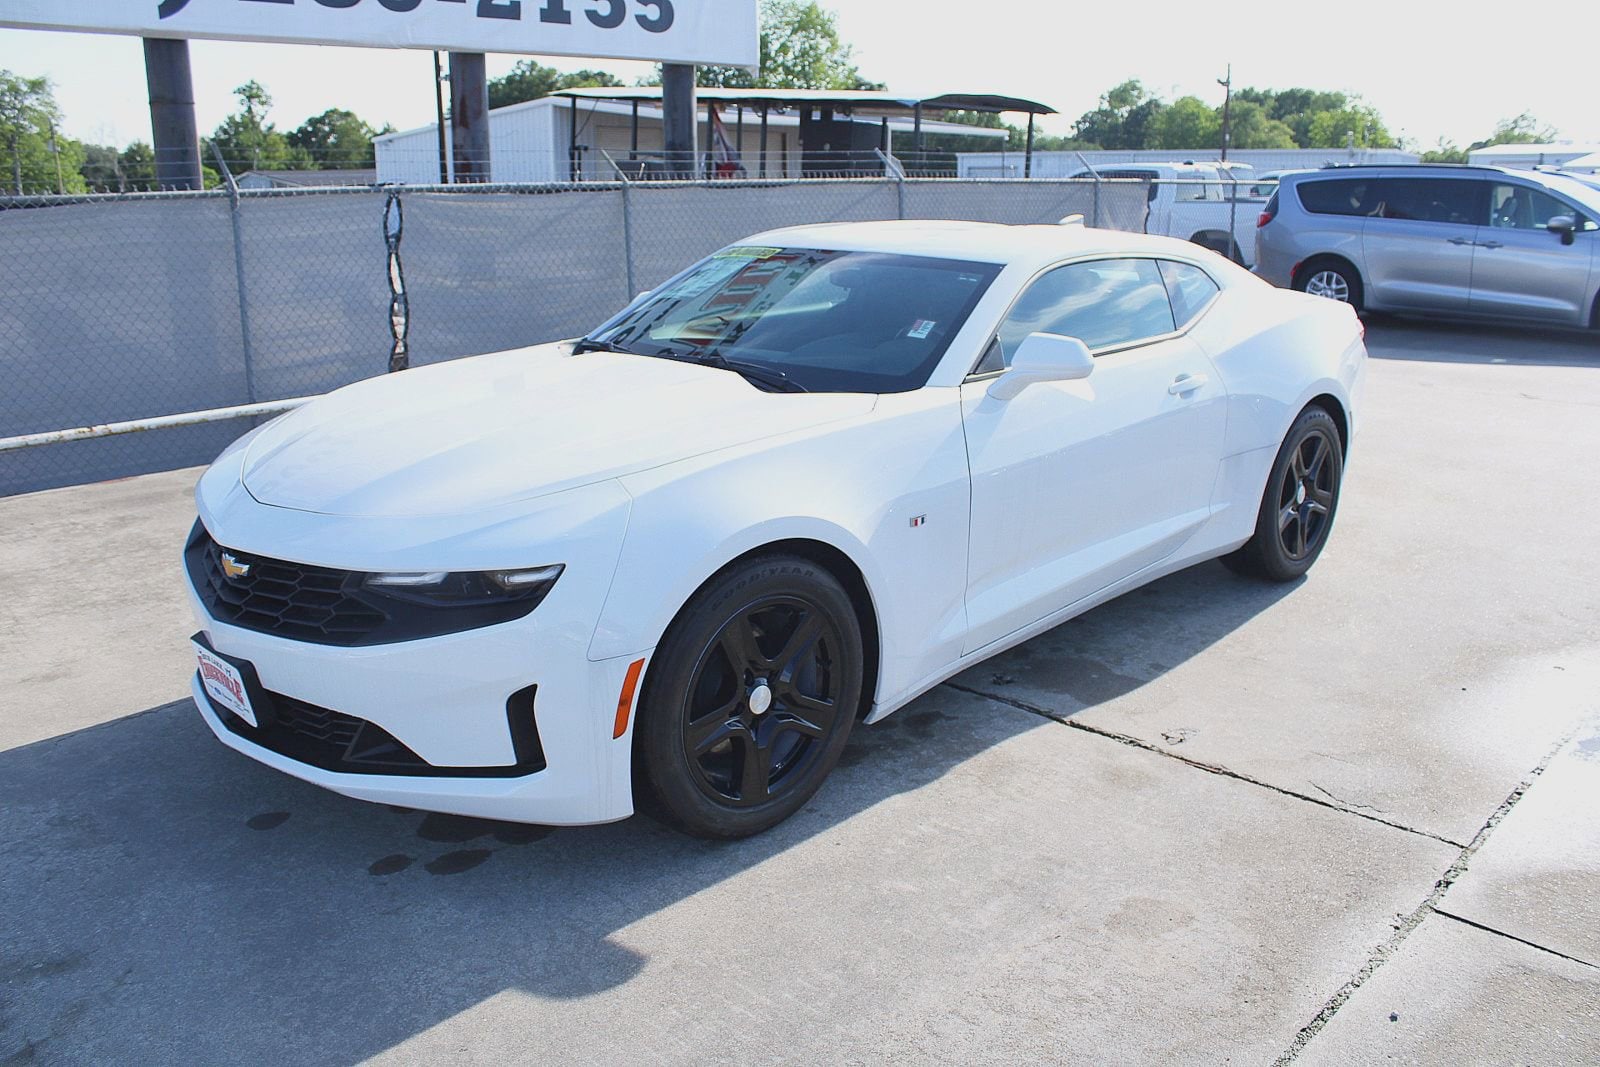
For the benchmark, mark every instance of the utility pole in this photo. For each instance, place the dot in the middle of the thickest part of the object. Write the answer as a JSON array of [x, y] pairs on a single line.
[[55, 149], [1227, 106], [438, 100]]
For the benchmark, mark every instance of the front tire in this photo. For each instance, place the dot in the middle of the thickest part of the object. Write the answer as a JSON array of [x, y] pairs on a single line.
[[749, 700], [1300, 501]]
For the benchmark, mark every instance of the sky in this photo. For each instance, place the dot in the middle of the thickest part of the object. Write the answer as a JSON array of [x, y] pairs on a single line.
[[1433, 69]]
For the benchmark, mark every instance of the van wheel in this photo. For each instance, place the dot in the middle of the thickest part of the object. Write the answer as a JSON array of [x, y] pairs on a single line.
[[1331, 278]]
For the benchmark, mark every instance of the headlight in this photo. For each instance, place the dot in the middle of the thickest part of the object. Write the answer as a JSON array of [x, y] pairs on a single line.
[[525, 588]]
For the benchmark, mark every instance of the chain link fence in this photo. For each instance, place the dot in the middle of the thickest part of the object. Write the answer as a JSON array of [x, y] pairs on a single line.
[[125, 307]]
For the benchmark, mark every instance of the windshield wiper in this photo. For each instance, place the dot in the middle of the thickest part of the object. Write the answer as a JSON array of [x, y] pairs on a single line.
[[756, 374], [590, 344]]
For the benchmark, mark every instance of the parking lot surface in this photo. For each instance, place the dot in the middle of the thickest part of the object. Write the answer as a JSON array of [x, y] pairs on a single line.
[[1351, 819]]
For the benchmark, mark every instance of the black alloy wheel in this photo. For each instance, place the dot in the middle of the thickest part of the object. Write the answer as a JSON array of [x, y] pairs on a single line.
[[1305, 496], [750, 699], [1299, 504]]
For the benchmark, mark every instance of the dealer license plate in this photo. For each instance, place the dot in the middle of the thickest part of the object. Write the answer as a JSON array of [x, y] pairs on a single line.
[[224, 684]]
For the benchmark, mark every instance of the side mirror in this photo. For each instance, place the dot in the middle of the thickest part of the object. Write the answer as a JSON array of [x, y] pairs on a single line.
[[1043, 357], [1565, 225]]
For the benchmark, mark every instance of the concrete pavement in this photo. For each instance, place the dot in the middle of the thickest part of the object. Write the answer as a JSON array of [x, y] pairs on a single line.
[[1346, 820]]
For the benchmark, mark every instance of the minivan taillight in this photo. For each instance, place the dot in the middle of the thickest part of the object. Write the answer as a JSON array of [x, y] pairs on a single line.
[[1269, 212]]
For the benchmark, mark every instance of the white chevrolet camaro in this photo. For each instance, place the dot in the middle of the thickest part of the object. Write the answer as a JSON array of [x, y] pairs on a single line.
[[671, 564]]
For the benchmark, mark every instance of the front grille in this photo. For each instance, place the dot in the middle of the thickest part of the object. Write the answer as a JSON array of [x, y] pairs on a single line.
[[286, 599], [334, 741], [325, 606]]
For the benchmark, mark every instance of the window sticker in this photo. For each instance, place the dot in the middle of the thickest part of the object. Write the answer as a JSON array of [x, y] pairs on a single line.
[[747, 252], [921, 329]]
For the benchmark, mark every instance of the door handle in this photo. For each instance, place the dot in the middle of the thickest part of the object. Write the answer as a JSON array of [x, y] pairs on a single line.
[[1187, 383], [1459, 241], [1490, 244]]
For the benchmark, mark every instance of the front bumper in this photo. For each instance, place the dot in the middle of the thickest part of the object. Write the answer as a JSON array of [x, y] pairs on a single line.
[[448, 699]]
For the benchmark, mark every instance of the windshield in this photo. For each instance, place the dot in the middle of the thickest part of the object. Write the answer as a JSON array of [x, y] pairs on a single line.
[[858, 322], [1573, 186]]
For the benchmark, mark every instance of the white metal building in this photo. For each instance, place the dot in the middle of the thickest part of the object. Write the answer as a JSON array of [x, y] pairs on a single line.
[[532, 142], [1528, 156], [1066, 164]]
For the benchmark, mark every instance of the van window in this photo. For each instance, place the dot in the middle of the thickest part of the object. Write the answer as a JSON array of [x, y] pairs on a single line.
[[1190, 288], [1456, 200], [1103, 303], [1342, 196], [1517, 207]]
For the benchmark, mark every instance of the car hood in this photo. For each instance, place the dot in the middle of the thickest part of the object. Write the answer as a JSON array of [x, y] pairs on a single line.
[[491, 430]]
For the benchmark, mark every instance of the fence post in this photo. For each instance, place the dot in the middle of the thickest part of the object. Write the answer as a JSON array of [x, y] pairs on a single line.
[[627, 239], [1234, 252], [238, 276], [627, 227]]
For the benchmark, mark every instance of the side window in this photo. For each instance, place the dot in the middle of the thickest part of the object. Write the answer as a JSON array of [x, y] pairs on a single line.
[[1517, 207], [1343, 196], [1190, 288], [1455, 200], [1102, 303]]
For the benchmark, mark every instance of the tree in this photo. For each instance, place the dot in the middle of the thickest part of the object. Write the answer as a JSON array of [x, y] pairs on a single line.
[[1251, 126], [1524, 129], [1355, 121], [1127, 118], [1445, 152], [529, 80], [41, 160], [336, 139], [249, 142], [801, 48], [1189, 123]]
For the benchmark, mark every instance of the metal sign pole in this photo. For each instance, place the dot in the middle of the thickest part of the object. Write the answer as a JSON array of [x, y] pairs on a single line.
[[172, 123]]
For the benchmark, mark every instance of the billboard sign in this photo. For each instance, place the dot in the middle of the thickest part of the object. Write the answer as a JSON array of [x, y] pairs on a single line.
[[720, 32]]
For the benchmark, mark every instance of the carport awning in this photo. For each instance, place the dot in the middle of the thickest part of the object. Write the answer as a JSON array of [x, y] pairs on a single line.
[[855, 99]]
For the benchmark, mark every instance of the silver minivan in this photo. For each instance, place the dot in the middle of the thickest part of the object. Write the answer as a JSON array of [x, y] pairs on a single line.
[[1454, 240]]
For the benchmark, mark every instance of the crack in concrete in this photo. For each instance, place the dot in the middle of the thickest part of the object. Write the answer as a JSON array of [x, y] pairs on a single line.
[[1429, 906], [1352, 805], [1209, 768], [1513, 937]]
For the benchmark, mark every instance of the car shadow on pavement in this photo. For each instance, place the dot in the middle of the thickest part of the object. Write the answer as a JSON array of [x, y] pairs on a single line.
[[1449, 341], [167, 899]]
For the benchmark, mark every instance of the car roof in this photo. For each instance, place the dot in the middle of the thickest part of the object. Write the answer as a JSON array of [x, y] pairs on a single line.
[[982, 242]]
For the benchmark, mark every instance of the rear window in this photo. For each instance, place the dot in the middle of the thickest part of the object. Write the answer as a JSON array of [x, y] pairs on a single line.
[[1341, 196]]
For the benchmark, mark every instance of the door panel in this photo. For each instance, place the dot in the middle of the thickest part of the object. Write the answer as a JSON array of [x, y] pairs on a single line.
[[1521, 269], [1418, 242], [1077, 485]]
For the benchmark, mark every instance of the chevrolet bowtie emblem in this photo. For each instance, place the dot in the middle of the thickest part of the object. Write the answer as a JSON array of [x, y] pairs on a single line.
[[233, 568]]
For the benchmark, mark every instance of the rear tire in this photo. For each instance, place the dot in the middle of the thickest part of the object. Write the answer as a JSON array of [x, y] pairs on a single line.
[[1334, 279], [1299, 503], [749, 700]]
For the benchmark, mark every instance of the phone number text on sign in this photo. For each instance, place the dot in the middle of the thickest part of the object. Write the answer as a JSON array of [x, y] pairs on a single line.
[[654, 15]]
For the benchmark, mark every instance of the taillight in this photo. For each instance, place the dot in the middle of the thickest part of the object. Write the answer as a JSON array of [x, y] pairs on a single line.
[[1269, 211]]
